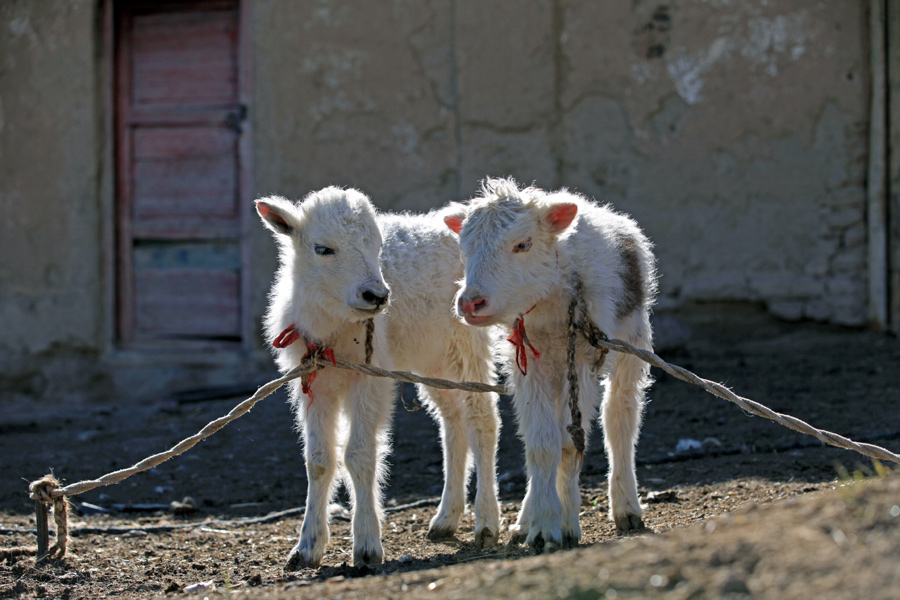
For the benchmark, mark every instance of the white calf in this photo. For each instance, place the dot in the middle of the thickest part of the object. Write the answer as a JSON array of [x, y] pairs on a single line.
[[329, 282], [523, 248]]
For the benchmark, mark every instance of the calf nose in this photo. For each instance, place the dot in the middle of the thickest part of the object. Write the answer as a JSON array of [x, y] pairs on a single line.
[[376, 298], [471, 306]]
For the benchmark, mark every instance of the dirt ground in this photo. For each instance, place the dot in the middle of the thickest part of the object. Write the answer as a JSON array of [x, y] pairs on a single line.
[[749, 509]]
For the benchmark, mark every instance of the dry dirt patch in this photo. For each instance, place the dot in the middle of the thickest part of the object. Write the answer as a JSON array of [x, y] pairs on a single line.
[[840, 545]]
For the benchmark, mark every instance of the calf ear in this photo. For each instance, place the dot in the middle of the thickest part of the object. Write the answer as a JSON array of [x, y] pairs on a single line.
[[275, 216], [454, 222], [559, 216], [454, 215]]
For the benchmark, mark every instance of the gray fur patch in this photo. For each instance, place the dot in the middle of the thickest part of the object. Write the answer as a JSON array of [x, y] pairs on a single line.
[[632, 282]]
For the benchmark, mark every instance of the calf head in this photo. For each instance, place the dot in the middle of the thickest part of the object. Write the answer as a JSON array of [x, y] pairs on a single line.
[[508, 238], [330, 247]]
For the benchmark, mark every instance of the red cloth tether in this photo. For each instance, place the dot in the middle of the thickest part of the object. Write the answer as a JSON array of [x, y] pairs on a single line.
[[519, 339], [290, 335], [306, 382], [286, 337]]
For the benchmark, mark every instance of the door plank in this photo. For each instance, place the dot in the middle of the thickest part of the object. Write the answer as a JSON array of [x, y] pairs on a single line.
[[196, 187], [187, 303], [178, 149], [185, 58], [182, 142]]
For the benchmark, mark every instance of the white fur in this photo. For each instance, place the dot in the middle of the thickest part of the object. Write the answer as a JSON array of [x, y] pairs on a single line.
[[510, 283], [418, 332]]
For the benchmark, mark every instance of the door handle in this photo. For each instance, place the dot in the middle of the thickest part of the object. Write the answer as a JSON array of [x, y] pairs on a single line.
[[235, 118]]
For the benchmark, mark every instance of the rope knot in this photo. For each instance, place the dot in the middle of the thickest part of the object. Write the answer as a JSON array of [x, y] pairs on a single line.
[[312, 356], [42, 488], [314, 352], [519, 339]]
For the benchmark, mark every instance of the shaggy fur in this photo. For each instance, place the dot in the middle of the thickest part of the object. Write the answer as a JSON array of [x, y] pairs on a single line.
[[522, 248], [330, 247]]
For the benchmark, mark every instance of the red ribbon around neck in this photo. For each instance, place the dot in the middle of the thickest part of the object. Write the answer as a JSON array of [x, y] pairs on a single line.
[[519, 339], [306, 382], [288, 337]]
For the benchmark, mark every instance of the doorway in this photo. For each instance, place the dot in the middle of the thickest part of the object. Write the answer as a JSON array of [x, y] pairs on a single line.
[[181, 175]]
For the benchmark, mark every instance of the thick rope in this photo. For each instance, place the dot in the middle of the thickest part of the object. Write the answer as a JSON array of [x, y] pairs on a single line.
[[370, 334], [188, 443], [596, 340], [245, 406], [754, 408], [50, 492], [575, 429], [603, 344], [592, 333], [443, 384], [43, 490]]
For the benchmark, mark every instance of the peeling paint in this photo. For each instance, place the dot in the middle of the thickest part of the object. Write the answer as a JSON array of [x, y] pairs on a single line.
[[686, 71], [769, 38], [641, 73], [329, 105], [325, 14], [407, 142], [765, 42], [18, 26], [335, 66]]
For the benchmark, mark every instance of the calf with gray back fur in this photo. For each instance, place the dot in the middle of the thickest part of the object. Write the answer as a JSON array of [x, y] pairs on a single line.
[[330, 281], [523, 247]]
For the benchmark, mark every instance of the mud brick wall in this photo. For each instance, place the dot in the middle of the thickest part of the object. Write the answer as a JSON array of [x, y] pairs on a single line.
[[735, 131]]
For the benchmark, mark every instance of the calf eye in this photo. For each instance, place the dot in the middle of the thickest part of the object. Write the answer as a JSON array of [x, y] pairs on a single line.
[[523, 246], [323, 250]]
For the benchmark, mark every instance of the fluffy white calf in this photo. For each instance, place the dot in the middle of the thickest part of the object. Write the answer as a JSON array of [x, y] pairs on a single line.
[[328, 284], [522, 249]]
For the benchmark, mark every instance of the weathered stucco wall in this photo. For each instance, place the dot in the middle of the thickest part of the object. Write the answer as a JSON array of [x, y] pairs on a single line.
[[735, 131], [50, 274], [354, 94], [741, 149]]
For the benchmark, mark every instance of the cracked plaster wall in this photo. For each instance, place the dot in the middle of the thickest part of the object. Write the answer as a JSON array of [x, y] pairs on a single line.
[[50, 273], [733, 130], [736, 133]]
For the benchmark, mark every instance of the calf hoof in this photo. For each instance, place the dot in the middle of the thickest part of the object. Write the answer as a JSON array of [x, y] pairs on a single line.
[[297, 560], [541, 546], [570, 540], [517, 535], [440, 533], [368, 556], [485, 539], [629, 523]]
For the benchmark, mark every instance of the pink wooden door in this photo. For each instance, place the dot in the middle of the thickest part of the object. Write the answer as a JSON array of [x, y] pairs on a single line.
[[179, 120]]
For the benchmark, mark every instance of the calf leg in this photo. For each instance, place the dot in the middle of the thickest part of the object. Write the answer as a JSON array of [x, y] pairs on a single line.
[[569, 493], [543, 454], [370, 406], [448, 406], [518, 532], [622, 408], [482, 429], [570, 469], [319, 424]]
